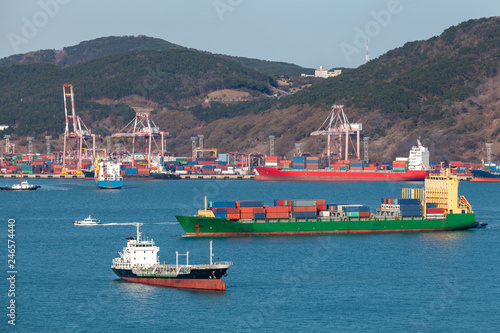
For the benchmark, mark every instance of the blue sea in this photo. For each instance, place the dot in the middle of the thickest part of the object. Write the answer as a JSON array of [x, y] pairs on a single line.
[[411, 282]]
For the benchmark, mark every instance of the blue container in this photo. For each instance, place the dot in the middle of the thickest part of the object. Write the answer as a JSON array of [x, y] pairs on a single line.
[[405, 207], [216, 204], [431, 205], [131, 171], [208, 166], [302, 215], [298, 167], [180, 168], [251, 203], [220, 211], [259, 216], [222, 216], [299, 159], [400, 201], [411, 213]]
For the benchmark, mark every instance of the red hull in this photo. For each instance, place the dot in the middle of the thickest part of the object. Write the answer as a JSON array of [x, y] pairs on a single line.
[[275, 174], [331, 232], [206, 284]]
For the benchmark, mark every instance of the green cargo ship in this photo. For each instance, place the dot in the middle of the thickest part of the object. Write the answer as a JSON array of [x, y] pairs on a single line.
[[441, 209]]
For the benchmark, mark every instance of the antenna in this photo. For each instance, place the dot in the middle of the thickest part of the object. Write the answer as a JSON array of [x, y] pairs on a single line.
[[367, 56]]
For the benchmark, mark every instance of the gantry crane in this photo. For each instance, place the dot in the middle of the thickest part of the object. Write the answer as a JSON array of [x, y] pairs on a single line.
[[80, 133], [337, 124], [143, 127]]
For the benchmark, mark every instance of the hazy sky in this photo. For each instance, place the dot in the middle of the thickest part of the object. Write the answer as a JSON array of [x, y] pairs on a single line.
[[309, 33]]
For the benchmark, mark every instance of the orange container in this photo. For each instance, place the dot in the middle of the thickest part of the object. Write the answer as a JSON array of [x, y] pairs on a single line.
[[300, 209], [278, 209]]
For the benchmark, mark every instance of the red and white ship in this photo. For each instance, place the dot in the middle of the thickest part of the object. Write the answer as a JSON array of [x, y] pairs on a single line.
[[416, 170]]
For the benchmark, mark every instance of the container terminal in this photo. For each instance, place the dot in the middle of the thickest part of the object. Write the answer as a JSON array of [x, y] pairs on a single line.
[[148, 158]]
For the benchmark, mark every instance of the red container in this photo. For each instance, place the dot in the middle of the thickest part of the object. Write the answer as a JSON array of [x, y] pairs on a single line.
[[233, 210], [364, 214], [434, 210], [277, 215], [233, 216], [247, 216]]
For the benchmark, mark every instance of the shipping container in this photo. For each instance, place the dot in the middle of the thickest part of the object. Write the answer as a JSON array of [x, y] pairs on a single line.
[[249, 203], [301, 215], [277, 215], [304, 209], [216, 204], [131, 171]]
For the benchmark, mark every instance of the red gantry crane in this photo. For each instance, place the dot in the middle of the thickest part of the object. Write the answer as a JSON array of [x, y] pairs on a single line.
[[337, 124], [80, 133]]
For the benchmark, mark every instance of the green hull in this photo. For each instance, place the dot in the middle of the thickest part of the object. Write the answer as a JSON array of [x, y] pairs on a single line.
[[214, 226]]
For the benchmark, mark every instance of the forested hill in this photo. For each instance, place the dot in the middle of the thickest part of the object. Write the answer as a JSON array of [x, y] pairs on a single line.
[[105, 46], [31, 95], [444, 90]]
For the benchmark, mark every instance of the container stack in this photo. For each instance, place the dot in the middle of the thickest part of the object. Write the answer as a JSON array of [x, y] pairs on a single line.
[[298, 162], [399, 165], [400, 207], [271, 161], [432, 212]]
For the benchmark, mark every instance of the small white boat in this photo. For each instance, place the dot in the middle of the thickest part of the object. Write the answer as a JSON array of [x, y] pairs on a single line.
[[87, 222], [22, 186]]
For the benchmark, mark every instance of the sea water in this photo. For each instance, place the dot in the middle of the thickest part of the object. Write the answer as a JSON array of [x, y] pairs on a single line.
[[436, 282]]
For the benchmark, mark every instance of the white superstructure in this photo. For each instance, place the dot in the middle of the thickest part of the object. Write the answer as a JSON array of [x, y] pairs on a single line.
[[108, 170], [419, 157], [138, 253]]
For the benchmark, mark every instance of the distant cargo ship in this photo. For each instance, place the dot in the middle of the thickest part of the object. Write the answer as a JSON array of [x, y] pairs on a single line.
[[436, 207], [107, 174], [485, 176], [414, 168]]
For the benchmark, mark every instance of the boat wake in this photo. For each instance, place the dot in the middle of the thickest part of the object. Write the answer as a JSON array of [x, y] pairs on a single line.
[[135, 223]]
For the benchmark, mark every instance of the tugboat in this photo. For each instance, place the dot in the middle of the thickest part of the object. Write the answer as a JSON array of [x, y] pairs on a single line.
[[22, 186], [139, 263], [107, 174], [89, 221]]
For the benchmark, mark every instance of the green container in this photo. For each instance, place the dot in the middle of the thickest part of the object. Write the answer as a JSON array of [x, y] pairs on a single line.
[[398, 169], [353, 214]]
